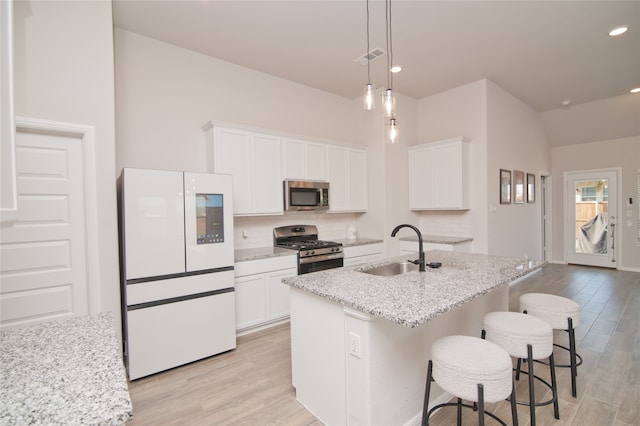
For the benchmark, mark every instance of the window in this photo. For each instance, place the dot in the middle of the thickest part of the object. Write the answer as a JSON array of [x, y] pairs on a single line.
[[588, 193]]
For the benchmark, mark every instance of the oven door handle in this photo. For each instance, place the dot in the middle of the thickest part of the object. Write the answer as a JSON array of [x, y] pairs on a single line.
[[321, 258]]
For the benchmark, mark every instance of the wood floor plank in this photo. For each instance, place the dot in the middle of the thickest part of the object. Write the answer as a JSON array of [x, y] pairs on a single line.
[[251, 385]]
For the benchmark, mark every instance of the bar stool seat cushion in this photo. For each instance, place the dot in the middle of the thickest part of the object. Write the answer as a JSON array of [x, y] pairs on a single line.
[[553, 309], [513, 331], [460, 363]]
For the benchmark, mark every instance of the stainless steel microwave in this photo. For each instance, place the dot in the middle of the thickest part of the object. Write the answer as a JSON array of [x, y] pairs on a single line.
[[306, 195]]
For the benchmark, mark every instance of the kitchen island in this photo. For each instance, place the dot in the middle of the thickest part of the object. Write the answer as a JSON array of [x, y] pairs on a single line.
[[360, 343], [66, 372]]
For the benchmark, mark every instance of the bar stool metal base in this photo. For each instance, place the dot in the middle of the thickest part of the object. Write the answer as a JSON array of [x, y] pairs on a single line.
[[575, 360], [479, 407]]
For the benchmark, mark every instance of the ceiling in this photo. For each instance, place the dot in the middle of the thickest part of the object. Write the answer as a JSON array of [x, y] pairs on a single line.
[[543, 52]]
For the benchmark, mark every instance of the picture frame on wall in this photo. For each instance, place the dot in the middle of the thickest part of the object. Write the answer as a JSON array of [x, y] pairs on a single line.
[[531, 188], [505, 186], [518, 187]]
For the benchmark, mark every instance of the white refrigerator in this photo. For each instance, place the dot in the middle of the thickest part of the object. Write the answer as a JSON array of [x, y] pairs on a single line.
[[176, 242]]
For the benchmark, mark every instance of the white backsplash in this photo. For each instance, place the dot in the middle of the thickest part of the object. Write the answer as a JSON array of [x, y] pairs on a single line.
[[259, 229], [450, 224]]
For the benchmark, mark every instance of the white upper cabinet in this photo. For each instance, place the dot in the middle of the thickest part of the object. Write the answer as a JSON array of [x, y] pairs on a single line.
[[254, 161], [347, 175], [439, 175], [303, 160]]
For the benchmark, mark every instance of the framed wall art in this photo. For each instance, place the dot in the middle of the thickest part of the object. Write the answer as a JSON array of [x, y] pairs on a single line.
[[531, 188], [505, 186], [518, 187]]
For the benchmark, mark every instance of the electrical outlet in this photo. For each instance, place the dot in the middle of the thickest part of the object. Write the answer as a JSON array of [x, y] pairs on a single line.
[[354, 345]]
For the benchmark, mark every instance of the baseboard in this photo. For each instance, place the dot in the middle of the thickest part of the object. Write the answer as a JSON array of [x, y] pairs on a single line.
[[262, 326], [417, 419]]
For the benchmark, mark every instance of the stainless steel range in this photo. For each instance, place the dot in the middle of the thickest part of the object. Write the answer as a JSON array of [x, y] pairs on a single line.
[[313, 254]]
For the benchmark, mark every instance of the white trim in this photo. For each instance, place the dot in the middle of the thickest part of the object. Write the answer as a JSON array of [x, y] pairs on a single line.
[[7, 121], [87, 134], [546, 202]]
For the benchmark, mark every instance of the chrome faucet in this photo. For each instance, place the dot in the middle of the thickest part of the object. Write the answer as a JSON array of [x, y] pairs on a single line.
[[420, 261]]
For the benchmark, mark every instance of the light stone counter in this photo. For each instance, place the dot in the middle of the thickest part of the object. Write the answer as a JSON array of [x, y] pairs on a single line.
[[438, 239], [360, 343], [67, 372], [416, 297], [243, 255]]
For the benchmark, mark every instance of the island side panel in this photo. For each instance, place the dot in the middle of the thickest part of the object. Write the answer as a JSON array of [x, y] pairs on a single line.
[[385, 384], [318, 356]]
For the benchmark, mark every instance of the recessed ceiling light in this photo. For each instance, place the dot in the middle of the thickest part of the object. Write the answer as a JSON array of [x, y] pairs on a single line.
[[635, 90], [396, 68], [618, 30], [566, 103]]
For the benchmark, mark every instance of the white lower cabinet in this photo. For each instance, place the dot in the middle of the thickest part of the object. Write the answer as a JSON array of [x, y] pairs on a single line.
[[363, 253], [261, 298]]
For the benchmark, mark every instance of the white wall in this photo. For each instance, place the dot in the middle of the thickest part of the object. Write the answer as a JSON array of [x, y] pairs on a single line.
[[459, 112], [605, 119], [165, 94], [623, 153], [516, 141], [64, 72]]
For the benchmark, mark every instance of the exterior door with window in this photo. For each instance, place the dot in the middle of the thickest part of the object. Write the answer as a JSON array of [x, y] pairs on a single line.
[[590, 206]]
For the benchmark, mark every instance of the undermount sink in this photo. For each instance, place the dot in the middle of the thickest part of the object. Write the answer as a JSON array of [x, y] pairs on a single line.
[[391, 269]]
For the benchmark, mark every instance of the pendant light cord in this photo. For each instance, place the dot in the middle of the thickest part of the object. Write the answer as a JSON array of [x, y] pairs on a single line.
[[389, 45], [368, 49]]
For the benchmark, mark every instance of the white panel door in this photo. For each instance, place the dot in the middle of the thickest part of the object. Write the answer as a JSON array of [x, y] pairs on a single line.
[[43, 260]]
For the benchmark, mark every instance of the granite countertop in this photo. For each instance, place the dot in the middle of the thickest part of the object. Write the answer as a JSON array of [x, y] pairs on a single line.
[[67, 372], [416, 297], [439, 239], [243, 255], [357, 242]]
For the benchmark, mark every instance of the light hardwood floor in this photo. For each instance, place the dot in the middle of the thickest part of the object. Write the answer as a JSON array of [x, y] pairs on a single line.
[[252, 384]]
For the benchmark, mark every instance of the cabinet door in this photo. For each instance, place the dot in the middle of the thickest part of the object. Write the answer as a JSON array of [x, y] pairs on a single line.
[[278, 293], [338, 178], [421, 185], [315, 161], [267, 177], [293, 158], [232, 155], [251, 301], [447, 170], [439, 175], [357, 180]]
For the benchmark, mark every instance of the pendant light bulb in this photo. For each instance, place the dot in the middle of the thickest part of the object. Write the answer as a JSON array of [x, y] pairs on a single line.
[[389, 102], [369, 97], [392, 130]]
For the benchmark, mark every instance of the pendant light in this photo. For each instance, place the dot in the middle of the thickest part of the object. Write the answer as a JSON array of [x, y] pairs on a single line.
[[392, 130], [369, 91], [389, 98]]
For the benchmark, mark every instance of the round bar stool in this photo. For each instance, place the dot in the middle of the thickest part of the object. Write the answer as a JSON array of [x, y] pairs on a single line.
[[562, 314], [472, 369], [525, 336]]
